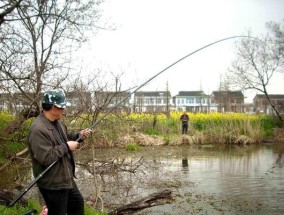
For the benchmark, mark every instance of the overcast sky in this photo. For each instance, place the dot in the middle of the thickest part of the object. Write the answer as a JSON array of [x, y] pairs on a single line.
[[152, 34]]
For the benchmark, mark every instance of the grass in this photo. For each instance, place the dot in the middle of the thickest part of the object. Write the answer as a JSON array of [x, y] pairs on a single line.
[[32, 204], [19, 209], [132, 147]]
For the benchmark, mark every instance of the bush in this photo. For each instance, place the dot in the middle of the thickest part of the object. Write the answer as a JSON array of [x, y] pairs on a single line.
[[5, 118]]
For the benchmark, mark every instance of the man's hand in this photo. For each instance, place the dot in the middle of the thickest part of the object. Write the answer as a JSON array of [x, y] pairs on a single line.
[[72, 145], [85, 133]]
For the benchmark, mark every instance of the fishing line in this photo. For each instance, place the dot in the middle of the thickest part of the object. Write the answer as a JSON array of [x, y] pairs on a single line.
[[31, 184], [165, 69]]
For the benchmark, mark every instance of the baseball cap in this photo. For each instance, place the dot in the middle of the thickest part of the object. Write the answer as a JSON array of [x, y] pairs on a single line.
[[56, 97]]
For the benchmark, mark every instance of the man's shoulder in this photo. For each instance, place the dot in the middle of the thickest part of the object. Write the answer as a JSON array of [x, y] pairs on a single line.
[[40, 121]]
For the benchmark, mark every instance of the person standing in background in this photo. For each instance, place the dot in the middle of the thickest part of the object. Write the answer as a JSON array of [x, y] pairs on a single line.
[[184, 122]]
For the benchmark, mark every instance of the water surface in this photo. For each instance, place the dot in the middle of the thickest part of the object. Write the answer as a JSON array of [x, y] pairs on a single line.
[[203, 179]]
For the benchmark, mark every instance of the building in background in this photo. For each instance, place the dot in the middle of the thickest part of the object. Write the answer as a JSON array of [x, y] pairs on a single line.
[[152, 101], [105, 100], [261, 103], [81, 101], [228, 101], [16, 102], [193, 101]]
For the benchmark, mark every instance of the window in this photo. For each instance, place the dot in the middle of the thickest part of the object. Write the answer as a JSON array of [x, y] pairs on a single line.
[[189, 101]]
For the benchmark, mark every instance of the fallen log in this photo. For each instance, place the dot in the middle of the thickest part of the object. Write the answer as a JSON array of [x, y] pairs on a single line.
[[154, 199]]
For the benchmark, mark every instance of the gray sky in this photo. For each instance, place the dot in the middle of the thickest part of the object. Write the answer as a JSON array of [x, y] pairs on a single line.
[[152, 34]]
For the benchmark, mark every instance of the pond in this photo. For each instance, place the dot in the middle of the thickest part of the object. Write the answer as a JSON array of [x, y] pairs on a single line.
[[205, 179]]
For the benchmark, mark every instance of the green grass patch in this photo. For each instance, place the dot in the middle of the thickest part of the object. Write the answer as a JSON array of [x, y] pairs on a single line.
[[132, 147], [166, 140], [151, 131], [32, 204], [268, 123], [19, 209]]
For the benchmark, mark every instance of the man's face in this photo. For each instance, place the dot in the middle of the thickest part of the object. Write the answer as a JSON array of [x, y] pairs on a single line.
[[57, 112]]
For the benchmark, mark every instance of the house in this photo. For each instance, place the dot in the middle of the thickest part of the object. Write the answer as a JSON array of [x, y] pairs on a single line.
[[228, 101], [106, 100], [193, 101], [152, 101], [81, 101], [261, 103], [16, 102]]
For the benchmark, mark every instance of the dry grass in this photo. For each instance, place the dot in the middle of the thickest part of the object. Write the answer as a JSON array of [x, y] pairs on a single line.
[[278, 134], [140, 139]]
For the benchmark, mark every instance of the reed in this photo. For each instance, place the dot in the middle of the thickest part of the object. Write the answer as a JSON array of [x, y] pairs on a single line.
[[224, 128]]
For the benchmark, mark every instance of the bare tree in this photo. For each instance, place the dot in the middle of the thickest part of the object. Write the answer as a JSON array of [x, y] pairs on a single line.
[[7, 7], [277, 30], [36, 48], [256, 62], [35, 52]]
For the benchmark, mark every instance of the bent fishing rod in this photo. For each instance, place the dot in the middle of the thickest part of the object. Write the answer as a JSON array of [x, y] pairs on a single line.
[[32, 183]]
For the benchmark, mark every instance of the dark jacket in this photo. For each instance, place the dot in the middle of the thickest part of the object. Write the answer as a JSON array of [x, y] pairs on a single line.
[[45, 148], [184, 118]]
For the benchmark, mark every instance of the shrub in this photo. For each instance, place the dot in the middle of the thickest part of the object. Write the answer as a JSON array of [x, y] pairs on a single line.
[[5, 118], [166, 140]]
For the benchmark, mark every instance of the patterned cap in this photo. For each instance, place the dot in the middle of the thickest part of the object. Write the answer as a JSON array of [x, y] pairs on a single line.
[[55, 97]]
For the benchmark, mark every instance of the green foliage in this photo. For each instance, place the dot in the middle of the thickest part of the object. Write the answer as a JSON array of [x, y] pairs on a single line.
[[268, 123], [17, 135], [5, 118], [199, 125], [132, 147], [169, 125], [13, 147], [8, 149], [19, 209], [32, 204], [166, 140], [23, 132], [151, 131], [91, 211]]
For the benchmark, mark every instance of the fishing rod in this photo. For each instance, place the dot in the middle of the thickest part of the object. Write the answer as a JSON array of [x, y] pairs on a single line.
[[32, 183]]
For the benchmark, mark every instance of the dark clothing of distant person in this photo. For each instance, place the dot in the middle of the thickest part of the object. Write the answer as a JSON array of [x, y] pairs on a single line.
[[184, 123]]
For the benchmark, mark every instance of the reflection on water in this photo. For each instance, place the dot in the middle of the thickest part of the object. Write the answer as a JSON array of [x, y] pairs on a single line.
[[204, 180]]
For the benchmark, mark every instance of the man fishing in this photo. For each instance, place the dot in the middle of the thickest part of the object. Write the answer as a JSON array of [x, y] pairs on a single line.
[[49, 141]]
